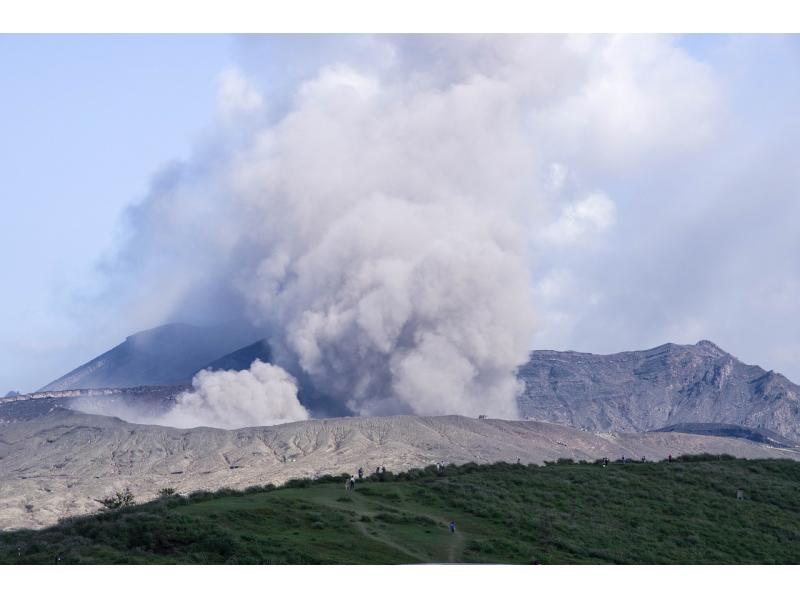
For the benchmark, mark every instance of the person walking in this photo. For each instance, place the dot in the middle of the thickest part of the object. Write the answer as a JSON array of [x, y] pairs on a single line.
[[452, 527]]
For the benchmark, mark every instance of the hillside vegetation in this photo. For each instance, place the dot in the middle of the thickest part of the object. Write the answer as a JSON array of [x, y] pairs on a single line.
[[681, 512]]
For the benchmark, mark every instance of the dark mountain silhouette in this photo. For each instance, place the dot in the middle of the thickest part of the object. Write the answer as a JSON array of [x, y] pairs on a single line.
[[169, 354], [241, 359]]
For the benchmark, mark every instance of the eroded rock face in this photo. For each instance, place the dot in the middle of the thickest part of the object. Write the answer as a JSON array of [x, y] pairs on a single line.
[[57, 465], [638, 391]]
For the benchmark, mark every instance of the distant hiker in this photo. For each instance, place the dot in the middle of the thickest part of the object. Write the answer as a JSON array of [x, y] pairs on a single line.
[[452, 527], [438, 466], [644, 460], [352, 483], [669, 458], [518, 462], [383, 470], [360, 473], [378, 470]]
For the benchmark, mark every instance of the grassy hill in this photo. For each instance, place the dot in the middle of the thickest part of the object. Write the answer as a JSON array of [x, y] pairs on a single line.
[[680, 512]]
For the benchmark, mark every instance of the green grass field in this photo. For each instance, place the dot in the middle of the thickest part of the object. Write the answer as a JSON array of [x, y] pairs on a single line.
[[680, 512]]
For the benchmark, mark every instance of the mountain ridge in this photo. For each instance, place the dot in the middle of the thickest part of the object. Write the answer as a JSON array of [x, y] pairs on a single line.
[[629, 391], [167, 354], [637, 391]]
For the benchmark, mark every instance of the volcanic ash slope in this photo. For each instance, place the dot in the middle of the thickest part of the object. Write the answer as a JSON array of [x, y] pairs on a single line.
[[57, 465]]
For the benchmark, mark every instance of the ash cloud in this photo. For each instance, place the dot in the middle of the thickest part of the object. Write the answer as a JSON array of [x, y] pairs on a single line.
[[264, 395], [377, 216]]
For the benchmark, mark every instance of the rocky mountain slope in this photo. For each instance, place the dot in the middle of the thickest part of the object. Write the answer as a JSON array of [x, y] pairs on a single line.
[[672, 384], [634, 391], [169, 354], [57, 465]]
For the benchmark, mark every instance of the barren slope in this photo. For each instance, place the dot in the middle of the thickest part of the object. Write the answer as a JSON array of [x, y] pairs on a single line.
[[56, 465]]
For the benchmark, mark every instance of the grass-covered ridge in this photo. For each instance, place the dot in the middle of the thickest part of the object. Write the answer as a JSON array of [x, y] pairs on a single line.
[[680, 512]]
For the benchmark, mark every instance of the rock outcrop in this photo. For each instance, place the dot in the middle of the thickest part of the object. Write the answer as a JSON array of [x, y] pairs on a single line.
[[638, 391]]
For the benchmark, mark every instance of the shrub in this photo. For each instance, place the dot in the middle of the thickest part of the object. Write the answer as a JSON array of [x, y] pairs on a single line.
[[225, 491], [298, 483], [704, 457], [200, 496], [341, 477], [118, 500], [259, 489], [166, 492]]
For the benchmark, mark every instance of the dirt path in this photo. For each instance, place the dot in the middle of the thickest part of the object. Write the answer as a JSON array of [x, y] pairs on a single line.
[[456, 548], [384, 540]]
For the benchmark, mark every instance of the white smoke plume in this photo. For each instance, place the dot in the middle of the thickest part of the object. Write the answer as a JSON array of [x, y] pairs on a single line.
[[379, 223], [264, 395]]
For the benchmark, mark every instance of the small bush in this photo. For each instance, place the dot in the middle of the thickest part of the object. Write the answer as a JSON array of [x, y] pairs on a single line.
[[259, 489], [118, 500], [200, 496], [704, 457], [167, 492], [225, 492], [327, 478], [299, 483]]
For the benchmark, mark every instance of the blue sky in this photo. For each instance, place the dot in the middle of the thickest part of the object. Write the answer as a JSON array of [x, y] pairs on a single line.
[[701, 240], [86, 121]]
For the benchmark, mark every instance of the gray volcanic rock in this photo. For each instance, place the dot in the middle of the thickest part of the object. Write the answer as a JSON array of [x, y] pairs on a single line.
[[732, 431], [169, 354], [144, 401], [638, 391], [57, 465]]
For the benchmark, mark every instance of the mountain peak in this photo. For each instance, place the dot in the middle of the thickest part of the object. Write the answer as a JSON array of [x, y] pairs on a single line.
[[168, 354], [637, 391], [709, 346]]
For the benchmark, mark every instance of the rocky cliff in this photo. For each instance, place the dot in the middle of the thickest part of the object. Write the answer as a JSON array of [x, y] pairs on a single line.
[[638, 391]]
